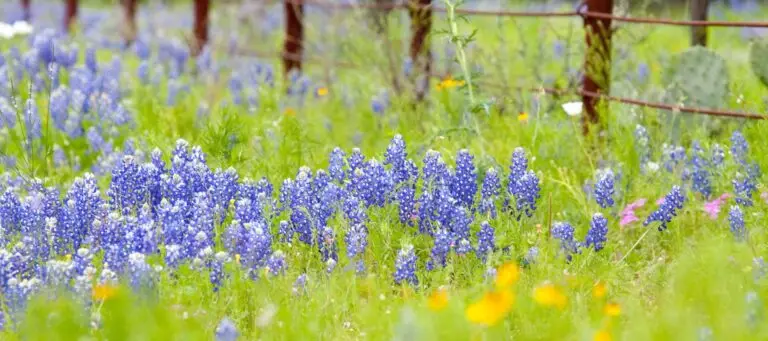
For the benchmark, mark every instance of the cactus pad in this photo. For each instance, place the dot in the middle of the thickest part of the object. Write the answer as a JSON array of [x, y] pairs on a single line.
[[697, 77], [758, 59]]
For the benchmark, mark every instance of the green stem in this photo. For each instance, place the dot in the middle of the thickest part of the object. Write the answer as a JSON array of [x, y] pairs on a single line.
[[460, 44]]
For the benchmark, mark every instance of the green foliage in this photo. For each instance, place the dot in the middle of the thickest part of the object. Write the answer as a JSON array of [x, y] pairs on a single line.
[[758, 60]]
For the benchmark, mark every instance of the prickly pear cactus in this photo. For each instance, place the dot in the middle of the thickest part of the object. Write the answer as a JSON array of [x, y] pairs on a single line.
[[758, 59], [697, 77]]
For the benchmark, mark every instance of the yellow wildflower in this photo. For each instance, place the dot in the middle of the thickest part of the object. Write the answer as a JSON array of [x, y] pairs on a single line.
[[549, 295], [68, 257], [289, 112], [612, 309], [522, 117], [438, 300], [603, 335], [507, 275], [237, 258], [103, 292], [322, 91], [492, 308], [599, 290], [449, 83]]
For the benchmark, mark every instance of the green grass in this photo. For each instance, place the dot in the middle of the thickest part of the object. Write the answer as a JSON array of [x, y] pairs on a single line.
[[670, 287]]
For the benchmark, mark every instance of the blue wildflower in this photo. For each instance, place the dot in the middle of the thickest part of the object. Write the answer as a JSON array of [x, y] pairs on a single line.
[[598, 232], [276, 263], [642, 145], [226, 330], [673, 202], [443, 241], [736, 221], [673, 156], [405, 266], [395, 156], [739, 147], [700, 175], [327, 244], [517, 169], [486, 241], [489, 193], [464, 180], [527, 193], [355, 160], [604, 188], [336, 165]]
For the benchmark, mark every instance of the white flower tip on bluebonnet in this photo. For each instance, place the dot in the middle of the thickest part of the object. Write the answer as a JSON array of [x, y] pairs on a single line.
[[573, 108]]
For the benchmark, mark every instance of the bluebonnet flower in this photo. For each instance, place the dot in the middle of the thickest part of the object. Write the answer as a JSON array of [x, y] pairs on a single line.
[[58, 273], [564, 232], [355, 160], [139, 271], [517, 170], [58, 106], [225, 187], [285, 232], [405, 266], [32, 122], [276, 263], [330, 265], [226, 330], [700, 175], [460, 223], [673, 202], [464, 180], [598, 232], [486, 240], [300, 285], [527, 193], [435, 170], [739, 147], [372, 183], [171, 218], [82, 204], [300, 204], [7, 114], [327, 244], [736, 221], [489, 193], [530, 256], [10, 206], [744, 188], [396, 156], [406, 198], [59, 156], [673, 156], [336, 165], [718, 155], [216, 273], [356, 240], [90, 60], [463, 247], [604, 188], [443, 241], [129, 185]]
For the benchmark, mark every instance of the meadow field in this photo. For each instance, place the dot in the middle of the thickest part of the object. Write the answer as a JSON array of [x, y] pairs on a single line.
[[150, 194]]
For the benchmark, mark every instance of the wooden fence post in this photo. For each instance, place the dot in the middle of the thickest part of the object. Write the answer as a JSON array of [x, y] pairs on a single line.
[[202, 8], [70, 15], [597, 60], [699, 10], [294, 35], [26, 7], [420, 12], [129, 9]]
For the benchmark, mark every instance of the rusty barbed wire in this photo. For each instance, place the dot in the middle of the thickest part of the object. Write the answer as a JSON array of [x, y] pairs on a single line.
[[550, 91], [505, 13]]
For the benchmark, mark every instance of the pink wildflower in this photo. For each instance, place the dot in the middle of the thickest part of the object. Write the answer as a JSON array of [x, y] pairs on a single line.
[[713, 207], [628, 213]]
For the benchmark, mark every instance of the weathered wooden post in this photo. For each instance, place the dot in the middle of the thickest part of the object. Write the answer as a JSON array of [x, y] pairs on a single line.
[[202, 9], [70, 14], [130, 29], [26, 7], [294, 35], [420, 12], [597, 59], [699, 9]]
